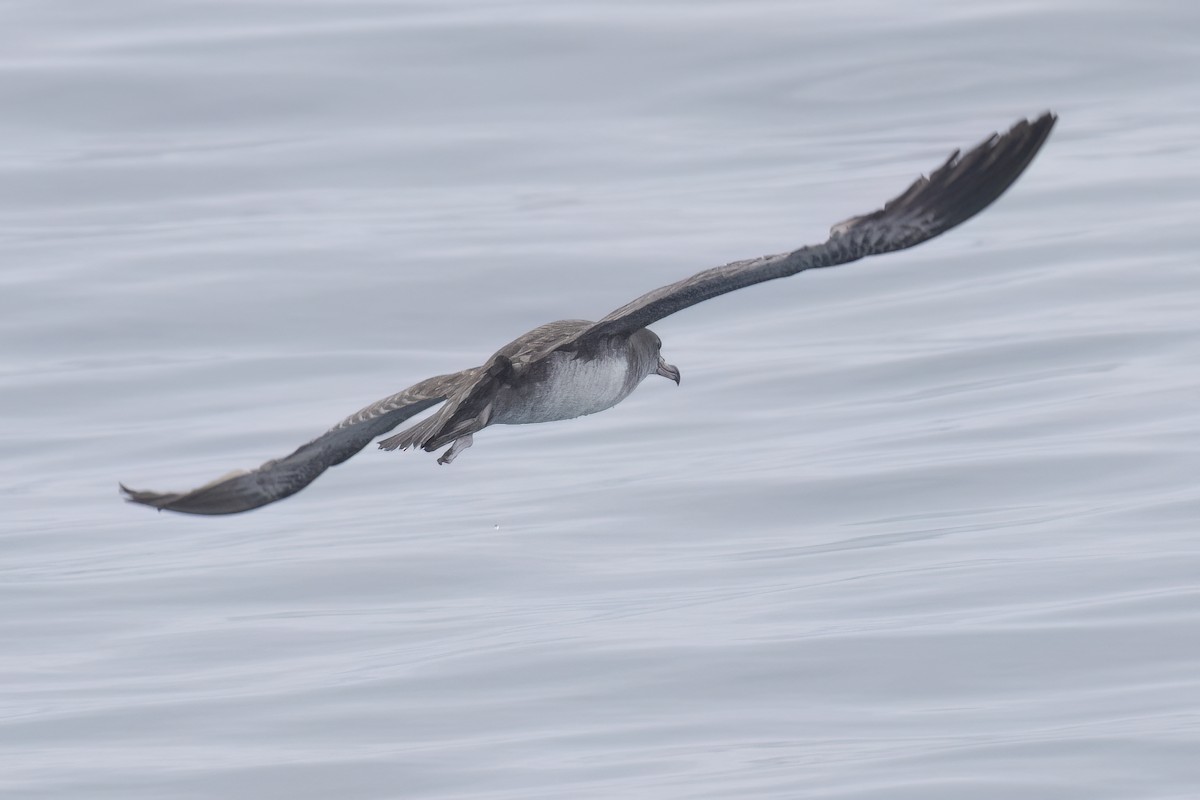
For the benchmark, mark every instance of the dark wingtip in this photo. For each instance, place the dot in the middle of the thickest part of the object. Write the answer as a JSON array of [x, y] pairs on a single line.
[[219, 497], [969, 183], [155, 500], [1041, 125], [964, 185]]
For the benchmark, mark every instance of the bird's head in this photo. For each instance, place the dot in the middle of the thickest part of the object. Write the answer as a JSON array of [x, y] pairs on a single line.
[[652, 346]]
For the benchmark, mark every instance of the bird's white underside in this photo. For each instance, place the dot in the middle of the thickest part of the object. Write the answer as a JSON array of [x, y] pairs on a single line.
[[576, 387]]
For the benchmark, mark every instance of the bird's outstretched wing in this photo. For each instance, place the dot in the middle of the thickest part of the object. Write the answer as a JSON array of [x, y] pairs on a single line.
[[952, 194], [280, 478]]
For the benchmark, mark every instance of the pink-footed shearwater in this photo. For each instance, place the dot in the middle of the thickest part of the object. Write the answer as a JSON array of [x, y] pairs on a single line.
[[571, 368]]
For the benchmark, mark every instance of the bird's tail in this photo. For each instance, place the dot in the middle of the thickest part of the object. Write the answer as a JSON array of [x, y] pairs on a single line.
[[415, 436]]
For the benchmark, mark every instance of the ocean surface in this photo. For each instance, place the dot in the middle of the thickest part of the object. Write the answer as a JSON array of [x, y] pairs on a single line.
[[925, 527]]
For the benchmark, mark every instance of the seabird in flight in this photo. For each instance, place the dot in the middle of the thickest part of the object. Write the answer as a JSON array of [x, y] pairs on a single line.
[[570, 368]]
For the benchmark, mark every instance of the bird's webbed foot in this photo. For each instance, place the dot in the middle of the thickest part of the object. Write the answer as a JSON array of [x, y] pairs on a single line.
[[459, 444]]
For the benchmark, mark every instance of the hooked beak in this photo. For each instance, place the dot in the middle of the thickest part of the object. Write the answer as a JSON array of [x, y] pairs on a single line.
[[667, 370]]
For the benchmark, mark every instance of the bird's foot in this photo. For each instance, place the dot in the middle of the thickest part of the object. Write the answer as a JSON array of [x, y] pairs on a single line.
[[459, 444]]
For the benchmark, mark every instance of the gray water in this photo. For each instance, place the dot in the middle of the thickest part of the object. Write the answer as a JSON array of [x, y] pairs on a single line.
[[921, 527]]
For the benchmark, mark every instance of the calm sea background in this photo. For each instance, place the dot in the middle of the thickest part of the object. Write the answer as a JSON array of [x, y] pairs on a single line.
[[926, 526]]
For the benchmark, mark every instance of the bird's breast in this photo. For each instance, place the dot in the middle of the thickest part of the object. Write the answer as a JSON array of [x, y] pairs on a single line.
[[566, 386]]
